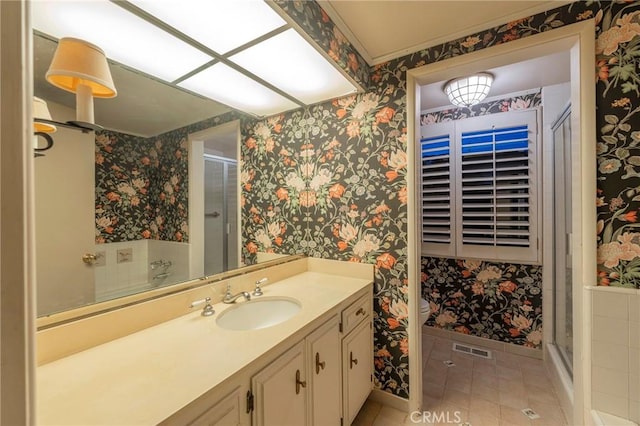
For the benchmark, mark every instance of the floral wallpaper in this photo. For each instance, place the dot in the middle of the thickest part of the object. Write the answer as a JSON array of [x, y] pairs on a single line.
[[496, 301], [513, 103], [124, 172], [618, 124], [142, 184], [141, 188]]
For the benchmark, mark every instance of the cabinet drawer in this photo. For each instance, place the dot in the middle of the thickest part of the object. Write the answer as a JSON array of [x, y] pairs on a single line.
[[355, 313]]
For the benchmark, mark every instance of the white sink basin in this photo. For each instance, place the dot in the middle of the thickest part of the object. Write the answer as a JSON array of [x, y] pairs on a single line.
[[258, 313]]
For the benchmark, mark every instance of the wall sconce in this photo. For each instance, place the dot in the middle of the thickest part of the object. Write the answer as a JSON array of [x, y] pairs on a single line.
[[81, 68], [467, 91], [42, 129], [78, 67]]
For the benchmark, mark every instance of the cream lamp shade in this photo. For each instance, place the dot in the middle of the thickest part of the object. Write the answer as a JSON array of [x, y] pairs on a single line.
[[40, 110], [467, 91], [81, 68]]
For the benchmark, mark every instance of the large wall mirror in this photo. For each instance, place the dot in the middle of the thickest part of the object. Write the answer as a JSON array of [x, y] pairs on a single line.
[[143, 205]]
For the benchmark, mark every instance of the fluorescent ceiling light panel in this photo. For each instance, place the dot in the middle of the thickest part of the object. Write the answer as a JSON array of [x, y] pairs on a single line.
[[221, 25], [291, 64], [123, 36], [226, 85]]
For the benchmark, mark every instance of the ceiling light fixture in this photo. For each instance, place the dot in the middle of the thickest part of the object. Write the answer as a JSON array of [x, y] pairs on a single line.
[[468, 91]]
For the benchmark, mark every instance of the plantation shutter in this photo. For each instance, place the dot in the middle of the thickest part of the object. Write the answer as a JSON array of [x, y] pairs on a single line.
[[437, 183], [496, 216]]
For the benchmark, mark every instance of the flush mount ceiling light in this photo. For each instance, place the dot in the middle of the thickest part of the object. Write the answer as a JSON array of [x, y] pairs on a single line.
[[470, 90], [189, 44]]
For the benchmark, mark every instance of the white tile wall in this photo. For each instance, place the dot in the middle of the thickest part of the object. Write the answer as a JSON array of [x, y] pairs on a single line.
[[176, 253], [616, 352], [117, 279]]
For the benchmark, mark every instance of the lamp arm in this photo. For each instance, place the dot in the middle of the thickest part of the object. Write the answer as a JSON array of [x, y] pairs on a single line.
[[46, 137], [76, 125]]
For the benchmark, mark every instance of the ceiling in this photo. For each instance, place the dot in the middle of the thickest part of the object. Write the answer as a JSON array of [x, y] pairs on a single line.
[[512, 78], [148, 107], [386, 29]]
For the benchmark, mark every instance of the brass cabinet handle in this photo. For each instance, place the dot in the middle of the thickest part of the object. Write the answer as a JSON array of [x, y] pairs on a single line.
[[352, 360], [319, 365], [299, 383], [360, 311], [89, 258]]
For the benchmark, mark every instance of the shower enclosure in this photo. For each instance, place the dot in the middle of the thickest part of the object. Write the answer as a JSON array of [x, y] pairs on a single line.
[[563, 297], [220, 214]]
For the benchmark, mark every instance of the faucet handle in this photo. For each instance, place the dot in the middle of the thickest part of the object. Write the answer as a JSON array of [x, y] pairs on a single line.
[[207, 310], [258, 290]]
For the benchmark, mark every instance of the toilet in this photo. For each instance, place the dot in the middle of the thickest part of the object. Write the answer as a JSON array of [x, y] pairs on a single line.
[[425, 310]]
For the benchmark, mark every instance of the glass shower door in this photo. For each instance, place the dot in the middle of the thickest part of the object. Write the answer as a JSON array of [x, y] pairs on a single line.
[[220, 215], [563, 296]]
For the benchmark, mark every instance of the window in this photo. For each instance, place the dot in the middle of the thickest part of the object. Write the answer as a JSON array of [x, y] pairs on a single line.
[[480, 187]]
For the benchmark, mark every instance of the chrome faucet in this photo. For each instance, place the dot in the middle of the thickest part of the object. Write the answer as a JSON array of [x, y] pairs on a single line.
[[231, 298], [207, 310]]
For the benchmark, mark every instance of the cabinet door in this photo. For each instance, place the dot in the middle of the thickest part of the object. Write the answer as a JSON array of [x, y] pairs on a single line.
[[227, 412], [357, 369], [323, 353], [280, 390]]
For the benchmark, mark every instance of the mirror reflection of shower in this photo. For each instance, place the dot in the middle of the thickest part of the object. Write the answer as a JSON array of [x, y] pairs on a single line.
[[220, 218]]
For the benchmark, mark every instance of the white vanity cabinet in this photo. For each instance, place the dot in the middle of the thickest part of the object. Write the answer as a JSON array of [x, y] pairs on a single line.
[[302, 386], [323, 380], [357, 357], [280, 390]]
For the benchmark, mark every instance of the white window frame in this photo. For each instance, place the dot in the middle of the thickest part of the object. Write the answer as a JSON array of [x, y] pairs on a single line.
[[457, 248]]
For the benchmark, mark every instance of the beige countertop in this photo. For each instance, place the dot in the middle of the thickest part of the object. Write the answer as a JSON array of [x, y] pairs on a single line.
[[147, 376]]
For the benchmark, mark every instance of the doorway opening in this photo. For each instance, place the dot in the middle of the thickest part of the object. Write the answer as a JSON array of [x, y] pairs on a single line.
[[214, 210], [578, 40]]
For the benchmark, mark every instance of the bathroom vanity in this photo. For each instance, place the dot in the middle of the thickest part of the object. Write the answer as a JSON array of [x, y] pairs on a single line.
[[313, 368]]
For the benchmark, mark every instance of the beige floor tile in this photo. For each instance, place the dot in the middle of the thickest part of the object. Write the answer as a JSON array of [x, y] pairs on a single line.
[[539, 380], [508, 373], [430, 403], [482, 419], [455, 400], [484, 407], [507, 359], [459, 381], [513, 417], [367, 413], [440, 354], [389, 416], [550, 413], [542, 395], [486, 380], [463, 361], [484, 392], [452, 417], [512, 386], [433, 390], [513, 400]]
